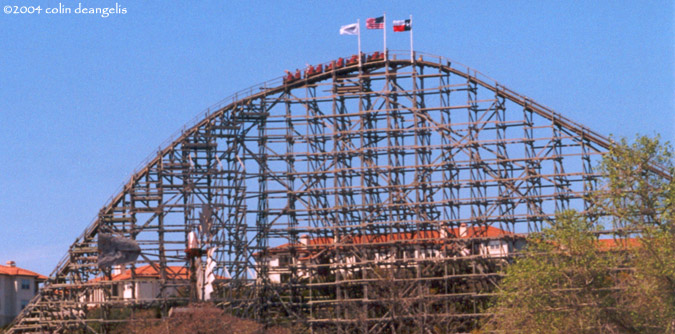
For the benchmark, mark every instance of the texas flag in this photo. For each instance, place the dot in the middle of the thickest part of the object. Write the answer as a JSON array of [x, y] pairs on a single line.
[[402, 25]]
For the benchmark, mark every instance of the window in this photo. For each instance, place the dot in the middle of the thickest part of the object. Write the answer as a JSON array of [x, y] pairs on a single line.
[[284, 260], [25, 284], [285, 278], [24, 303]]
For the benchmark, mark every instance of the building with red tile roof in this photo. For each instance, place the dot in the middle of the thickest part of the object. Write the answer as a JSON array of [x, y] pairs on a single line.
[[313, 256], [17, 287], [141, 284]]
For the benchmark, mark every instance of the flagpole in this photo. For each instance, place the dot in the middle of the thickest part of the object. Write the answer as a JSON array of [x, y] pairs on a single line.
[[411, 40], [385, 34], [358, 24]]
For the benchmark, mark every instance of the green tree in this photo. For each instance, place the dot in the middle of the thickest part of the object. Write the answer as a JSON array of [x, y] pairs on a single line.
[[637, 191], [639, 198], [561, 284], [567, 281]]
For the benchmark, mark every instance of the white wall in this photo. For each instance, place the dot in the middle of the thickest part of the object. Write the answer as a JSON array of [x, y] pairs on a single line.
[[494, 248], [12, 296], [6, 300], [141, 290]]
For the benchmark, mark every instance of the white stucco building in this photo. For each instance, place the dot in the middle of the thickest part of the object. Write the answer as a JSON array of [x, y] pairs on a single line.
[[409, 247], [17, 287], [143, 285]]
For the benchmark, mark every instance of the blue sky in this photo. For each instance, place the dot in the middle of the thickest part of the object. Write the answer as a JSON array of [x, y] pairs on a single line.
[[84, 99]]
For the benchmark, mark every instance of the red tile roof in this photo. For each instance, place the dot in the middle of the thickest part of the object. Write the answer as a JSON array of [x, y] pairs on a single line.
[[148, 271], [321, 241], [607, 244], [480, 232], [433, 236], [16, 271], [429, 236]]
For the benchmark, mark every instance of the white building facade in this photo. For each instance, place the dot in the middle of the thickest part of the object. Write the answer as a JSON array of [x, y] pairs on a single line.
[[17, 287], [486, 242], [143, 286]]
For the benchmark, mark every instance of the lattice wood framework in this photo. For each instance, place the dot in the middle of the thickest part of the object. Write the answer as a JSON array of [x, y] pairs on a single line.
[[396, 146]]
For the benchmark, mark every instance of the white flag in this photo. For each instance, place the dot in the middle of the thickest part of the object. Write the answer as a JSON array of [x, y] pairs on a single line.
[[350, 29]]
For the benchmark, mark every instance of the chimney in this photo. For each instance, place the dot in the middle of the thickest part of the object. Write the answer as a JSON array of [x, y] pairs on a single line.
[[462, 230], [304, 239], [193, 240], [11, 263], [118, 269]]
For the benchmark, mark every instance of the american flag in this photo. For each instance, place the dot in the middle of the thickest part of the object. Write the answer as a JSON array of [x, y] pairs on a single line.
[[375, 22]]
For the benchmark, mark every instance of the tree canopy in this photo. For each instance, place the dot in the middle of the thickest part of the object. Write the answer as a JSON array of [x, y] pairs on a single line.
[[573, 279]]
